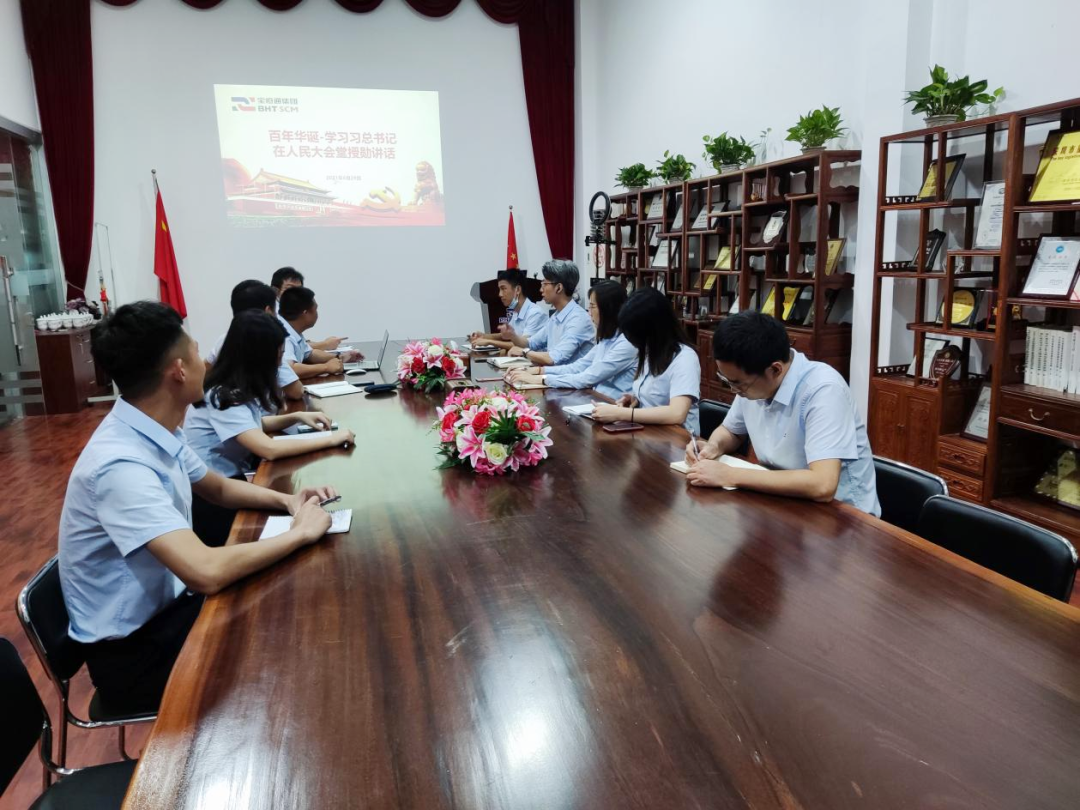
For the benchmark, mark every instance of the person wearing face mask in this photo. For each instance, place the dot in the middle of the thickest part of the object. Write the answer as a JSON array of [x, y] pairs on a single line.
[[524, 317]]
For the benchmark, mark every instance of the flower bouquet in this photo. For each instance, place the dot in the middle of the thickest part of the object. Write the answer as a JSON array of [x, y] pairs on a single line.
[[428, 366], [491, 431]]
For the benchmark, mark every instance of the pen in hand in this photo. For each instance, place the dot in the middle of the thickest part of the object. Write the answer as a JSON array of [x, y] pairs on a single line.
[[328, 501], [693, 444]]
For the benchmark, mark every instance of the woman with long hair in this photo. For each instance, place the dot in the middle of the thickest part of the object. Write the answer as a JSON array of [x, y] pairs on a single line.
[[667, 383], [609, 365]]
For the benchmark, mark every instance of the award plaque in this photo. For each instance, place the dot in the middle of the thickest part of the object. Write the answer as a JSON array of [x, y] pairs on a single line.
[[656, 208], [773, 229], [928, 192], [978, 423], [1054, 269], [710, 282], [931, 346], [834, 249], [966, 307], [945, 362], [725, 259], [701, 221], [1061, 482], [931, 248], [991, 217], [1058, 177]]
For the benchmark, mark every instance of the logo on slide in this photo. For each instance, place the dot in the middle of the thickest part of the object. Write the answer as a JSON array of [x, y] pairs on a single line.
[[242, 104]]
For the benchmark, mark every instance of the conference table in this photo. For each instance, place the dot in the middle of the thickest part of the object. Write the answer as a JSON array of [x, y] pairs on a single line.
[[594, 633]]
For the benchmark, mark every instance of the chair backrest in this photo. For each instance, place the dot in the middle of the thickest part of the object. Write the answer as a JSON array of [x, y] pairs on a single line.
[[1015, 548], [711, 415], [23, 714], [902, 490], [45, 619]]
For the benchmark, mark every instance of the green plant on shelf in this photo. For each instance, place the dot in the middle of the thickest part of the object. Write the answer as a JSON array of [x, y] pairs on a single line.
[[817, 127], [635, 176], [948, 96], [727, 150], [674, 167]]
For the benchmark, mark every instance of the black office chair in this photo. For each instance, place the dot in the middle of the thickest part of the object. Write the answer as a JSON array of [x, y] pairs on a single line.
[[902, 490], [26, 722], [1031, 555], [45, 619], [711, 415]]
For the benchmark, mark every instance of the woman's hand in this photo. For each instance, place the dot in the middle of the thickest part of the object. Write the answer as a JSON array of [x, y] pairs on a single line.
[[314, 419], [603, 412]]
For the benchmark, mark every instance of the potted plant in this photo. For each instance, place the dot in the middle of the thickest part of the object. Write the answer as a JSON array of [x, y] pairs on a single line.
[[815, 128], [946, 101], [674, 167], [726, 152], [635, 177]]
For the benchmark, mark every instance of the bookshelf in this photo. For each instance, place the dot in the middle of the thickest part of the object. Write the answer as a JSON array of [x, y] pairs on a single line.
[[918, 419], [727, 214]]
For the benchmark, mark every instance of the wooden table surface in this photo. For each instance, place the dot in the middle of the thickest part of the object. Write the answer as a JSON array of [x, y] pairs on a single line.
[[592, 633]]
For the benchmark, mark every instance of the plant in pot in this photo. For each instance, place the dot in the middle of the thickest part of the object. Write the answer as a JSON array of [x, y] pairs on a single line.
[[635, 177], [946, 100], [726, 152], [674, 168], [816, 128]]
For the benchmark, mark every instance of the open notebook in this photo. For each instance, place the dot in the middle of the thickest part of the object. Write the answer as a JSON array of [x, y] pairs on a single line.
[[332, 389], [580, 410], [509, 362], [279, 524], [684, 468], [522, 386]]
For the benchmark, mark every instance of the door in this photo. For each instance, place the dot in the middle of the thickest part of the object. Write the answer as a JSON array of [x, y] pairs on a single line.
[[922, 432], [886, 427]]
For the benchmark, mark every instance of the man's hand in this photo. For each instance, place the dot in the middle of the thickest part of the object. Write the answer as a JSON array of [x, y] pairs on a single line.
[[506, 331], [517, 351], [311, 521], [331, 343], [521, 376], [712, 474], [315, 419], [298, 499], [335, 366], [705, 452], [345, 437], [475, 336], [603, 412]]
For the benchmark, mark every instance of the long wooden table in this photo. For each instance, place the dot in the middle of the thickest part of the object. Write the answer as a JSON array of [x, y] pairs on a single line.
[[593, 633]]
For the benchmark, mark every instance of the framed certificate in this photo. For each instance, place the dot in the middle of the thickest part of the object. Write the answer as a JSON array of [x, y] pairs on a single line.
[[773, 229], [1055, 268], [991, 217], [928, 192], [978, 423], [931, 248], [1058, 177]]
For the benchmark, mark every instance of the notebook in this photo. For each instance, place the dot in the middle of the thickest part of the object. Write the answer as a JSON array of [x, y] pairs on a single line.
[[333, 389], [509, 362], [292, 437], [580, 410], [279, 524], [520, 386], [684, 468], [340, 350]]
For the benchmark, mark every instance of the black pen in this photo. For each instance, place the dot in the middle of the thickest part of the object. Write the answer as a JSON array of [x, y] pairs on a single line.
[[330, 500]]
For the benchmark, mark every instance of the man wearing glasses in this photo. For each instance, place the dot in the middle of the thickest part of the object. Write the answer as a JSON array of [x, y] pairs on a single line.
[[799, 415], [568, 334]]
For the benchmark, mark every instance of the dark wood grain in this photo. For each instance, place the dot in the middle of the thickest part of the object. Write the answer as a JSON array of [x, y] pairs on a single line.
[[594, 634]]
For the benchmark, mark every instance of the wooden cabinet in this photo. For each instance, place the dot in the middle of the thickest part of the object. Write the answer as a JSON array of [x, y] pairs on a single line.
[[962, 463], [904, 423], [68, 375]]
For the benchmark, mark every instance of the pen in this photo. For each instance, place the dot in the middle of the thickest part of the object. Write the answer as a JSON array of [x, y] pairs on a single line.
[[693, 443], [330, 500]]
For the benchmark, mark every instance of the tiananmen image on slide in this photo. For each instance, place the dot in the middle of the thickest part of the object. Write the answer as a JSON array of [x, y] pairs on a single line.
[[328, 156]]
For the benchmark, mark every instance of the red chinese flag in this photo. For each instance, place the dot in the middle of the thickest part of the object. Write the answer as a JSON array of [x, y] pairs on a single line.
[[511, 246], [165, 268]]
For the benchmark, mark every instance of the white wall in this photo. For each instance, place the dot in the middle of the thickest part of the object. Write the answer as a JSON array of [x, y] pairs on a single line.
[[154, 108], [16, 87]]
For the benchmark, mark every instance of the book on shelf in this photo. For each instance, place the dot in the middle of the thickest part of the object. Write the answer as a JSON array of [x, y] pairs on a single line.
[[1052, 358], [656, 207]]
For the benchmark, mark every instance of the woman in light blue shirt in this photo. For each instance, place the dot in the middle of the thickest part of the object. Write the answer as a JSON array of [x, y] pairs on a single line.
[[667, 384], [228, 429], [609, 365]]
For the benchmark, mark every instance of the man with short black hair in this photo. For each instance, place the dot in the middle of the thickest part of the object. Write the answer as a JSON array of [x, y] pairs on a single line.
[[127, 550], [524, 317], [568, 334], [798, 413], [299, 312], [253, 294], [285, 278]]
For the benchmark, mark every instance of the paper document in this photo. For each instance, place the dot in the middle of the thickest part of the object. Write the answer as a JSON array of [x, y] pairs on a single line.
[[509, 362], [340, 350], [292, 437], [279, 524], [731, 461], [521, 386], [334, 389], [580, 410]]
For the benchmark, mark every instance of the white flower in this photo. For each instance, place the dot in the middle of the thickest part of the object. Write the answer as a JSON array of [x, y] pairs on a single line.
[[496, 453], [499, 403], [436, 350]]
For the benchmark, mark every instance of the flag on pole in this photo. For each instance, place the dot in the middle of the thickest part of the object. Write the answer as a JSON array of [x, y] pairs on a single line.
[[511, 244], [170, 290]]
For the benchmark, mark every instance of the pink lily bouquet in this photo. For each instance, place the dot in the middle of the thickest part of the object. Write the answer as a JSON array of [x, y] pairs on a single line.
[[491, 431], [428, 366]]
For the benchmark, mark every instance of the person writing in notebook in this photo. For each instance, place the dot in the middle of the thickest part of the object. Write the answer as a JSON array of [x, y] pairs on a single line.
[[800, 417], [286, 278], [608, 367], [299, 312], [524, 317], [227, 429], [255, 295], [567, 335], [127, 551]]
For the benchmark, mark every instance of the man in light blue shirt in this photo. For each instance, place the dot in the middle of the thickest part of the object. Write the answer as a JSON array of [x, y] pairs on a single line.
[[568, 334], [127, 551], [799, 415], [524, 317], [299, 311]]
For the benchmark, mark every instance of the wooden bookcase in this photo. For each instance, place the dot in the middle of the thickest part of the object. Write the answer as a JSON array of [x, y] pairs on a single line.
[[918, 419], [819, 195]]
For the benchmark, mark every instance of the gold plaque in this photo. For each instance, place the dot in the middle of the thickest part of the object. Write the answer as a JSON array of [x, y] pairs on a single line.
[[1058, 177], [963, 307]]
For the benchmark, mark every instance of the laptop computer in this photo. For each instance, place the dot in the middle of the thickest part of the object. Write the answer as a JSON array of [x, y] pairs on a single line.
[[376, 365]]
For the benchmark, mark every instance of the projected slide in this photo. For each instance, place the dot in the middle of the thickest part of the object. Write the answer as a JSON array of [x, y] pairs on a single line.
[[327, 156]]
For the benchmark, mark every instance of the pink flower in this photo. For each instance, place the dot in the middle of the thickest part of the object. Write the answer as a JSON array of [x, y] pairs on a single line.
[[469, 445]]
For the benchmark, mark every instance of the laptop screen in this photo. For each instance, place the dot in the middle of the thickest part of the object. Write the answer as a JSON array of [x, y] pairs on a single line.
[[382, 350]]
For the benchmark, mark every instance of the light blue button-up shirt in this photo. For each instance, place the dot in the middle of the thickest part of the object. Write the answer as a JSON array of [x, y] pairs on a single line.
[[811, 417], [608, 368], [527, 318], [567, 335], [285, 374], [682, 378], [211, 432], [131, 484], [296, 348]]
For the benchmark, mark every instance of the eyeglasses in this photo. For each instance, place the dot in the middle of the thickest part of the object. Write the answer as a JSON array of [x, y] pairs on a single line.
[[738, 387], [546, 283]]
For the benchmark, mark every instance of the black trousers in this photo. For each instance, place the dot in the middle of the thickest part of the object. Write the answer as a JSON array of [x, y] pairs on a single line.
[[212, 523], [130, 673]]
